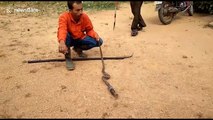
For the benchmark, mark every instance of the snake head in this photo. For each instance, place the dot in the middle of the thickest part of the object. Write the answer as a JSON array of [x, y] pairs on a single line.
[[112, 91]]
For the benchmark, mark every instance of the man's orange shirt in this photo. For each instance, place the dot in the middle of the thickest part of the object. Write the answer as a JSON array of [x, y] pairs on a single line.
[[77, 30]]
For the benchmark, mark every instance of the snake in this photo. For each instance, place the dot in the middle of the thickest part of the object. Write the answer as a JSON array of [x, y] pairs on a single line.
[[106, 76]]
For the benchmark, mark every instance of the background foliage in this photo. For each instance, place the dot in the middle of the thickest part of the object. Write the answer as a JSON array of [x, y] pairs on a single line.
[[203, 7]]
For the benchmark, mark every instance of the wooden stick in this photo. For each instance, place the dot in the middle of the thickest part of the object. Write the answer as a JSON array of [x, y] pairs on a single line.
[[78, 59]]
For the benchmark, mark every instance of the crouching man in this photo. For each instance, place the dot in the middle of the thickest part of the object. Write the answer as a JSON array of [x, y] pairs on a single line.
[[76, 30]]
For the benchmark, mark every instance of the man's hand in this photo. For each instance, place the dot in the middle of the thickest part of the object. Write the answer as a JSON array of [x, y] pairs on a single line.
[[62, 47], [97, 37]]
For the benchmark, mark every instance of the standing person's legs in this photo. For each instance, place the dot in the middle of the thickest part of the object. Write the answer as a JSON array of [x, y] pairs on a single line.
[[135, 8], [141, 21]]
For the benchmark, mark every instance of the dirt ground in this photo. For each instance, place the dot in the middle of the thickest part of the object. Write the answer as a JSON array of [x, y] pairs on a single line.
[[169, 76]]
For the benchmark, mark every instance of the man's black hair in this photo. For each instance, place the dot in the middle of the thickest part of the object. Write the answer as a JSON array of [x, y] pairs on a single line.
[[70, 4]]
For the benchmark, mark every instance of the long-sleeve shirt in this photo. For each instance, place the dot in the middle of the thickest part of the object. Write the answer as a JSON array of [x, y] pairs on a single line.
[[77, 30]]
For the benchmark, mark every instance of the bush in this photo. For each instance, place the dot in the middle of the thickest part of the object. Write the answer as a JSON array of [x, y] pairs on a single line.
[[203, 7]]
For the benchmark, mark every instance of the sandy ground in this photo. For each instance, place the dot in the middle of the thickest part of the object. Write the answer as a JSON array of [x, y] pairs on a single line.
[[169, 76]]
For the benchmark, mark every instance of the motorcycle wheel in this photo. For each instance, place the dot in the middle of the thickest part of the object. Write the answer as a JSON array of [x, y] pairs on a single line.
[[191, 9], [163, 14]]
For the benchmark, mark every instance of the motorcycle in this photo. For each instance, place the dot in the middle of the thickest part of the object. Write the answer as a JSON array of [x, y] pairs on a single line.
[[167, 10]]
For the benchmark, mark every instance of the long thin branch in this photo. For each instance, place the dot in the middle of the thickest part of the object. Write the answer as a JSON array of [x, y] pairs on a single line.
[[78, 59]]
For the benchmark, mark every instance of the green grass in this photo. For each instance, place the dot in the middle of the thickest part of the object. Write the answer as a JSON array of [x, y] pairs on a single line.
[[56, 7], [99, 5]]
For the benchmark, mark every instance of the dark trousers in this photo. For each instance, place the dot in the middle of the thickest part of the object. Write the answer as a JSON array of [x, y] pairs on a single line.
[[85, 44], [136, 11]]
